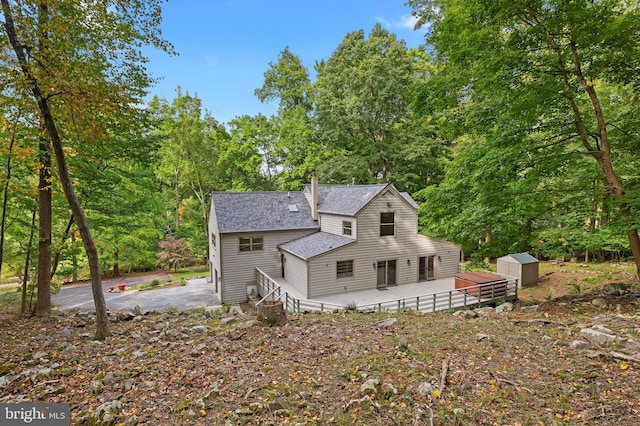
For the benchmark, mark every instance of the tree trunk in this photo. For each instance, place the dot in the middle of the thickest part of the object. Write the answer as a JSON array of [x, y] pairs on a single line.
[[271, 312], [27, 260], [43, 303], [487, 240], [5, 198], [65, 236], [102, 321]]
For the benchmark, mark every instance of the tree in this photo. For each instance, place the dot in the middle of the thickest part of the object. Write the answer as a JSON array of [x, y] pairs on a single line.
[[293, 143], [174, 252], [362, 97], [84, 80], [539, 75]]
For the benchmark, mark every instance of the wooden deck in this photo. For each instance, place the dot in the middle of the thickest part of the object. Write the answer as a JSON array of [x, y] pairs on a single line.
[[429, 296]]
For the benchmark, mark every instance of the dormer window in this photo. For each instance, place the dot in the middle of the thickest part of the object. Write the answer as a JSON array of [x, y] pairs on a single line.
[[387, 224]]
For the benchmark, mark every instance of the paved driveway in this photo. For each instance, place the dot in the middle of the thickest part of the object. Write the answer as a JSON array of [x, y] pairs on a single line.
[[196, 294]]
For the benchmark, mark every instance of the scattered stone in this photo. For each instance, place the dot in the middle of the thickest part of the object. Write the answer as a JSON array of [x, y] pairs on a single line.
[[467, 314], [504, 308], [128, 384], [107, 412], [616, 289], [388, 390], [531, 308], [578, 345], [425, 389], [212, 391], [23, 349], [227, 320], [122, 316], [599, 302], [40, 355], [199, 329], [480, 337], [139, 354], [369, 387], [282, 413], [389, 322], [364, 402], [66, 332], [256, 407], [485, 312], [598, 336], [96, 387]]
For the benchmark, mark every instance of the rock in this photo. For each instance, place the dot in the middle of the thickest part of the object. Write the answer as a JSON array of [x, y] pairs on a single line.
[[388, 390], [480, 337], [228, 320], [389, 322], [425, 389], [256, 407], [370, 386], [616, 289], [531, 308], [5, 380], [40, 355], [139, 354], [128, 384], [282, 413], [198, 349], [597, 336], [212, 391], [199, 329], [364, 402], [96, 387], [485, 312], [504, 308], [466, 314], [578, 345], [107, 412], [277, 404], [23, 349], [66, 332], [599, 302], [122, 316], [603, 329]]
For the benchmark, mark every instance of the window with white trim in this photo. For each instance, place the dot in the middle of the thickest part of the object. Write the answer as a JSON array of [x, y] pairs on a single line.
[[387, 224], [346, 227]]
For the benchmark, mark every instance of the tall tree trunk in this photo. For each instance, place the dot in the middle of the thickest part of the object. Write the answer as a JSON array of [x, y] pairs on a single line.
[[27, 259], [65, 236], [487, 240], [5, 197], [102, 321], [43, 304]]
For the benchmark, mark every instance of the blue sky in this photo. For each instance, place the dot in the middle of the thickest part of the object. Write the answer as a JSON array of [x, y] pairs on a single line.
[[225, 46]]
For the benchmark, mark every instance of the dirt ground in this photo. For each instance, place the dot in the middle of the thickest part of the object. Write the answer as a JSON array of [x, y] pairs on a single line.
[[346, 368]]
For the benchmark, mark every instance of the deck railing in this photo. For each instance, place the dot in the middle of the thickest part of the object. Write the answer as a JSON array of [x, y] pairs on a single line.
[[467, 297]]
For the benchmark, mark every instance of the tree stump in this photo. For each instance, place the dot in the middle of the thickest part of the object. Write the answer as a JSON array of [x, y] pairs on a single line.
[[271, 312]]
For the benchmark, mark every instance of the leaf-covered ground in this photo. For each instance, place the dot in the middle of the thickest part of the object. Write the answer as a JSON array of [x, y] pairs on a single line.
[[514, 368]]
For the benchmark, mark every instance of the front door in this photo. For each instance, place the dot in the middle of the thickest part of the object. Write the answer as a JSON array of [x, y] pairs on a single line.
[[426, 268], [386, 273]]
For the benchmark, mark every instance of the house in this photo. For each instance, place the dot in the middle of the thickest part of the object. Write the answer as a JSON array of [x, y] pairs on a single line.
[[325, 240]]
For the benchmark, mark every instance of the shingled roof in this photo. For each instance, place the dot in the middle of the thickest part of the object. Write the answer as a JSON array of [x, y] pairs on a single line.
[[261, 211], [350, 199], [315, 244]]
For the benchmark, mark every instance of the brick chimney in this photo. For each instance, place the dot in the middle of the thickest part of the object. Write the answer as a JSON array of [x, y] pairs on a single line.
[[314, 197]]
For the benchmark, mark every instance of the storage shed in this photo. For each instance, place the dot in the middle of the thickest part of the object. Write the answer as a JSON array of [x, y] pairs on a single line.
[[522, 266]]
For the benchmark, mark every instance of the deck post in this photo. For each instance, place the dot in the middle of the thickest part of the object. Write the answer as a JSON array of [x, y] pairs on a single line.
[[418, 304], [465, 299], [434, 302], [450, 295]]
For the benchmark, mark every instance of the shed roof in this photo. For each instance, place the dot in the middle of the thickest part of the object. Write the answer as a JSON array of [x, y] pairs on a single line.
[[315, 244], [522, 258], [261, 211]]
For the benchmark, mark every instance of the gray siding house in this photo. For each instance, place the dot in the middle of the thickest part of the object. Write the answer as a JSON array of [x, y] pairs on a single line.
[[328, 239]]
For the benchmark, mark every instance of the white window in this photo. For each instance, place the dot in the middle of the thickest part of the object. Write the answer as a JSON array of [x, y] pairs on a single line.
[[387, 224], [346, 227]]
